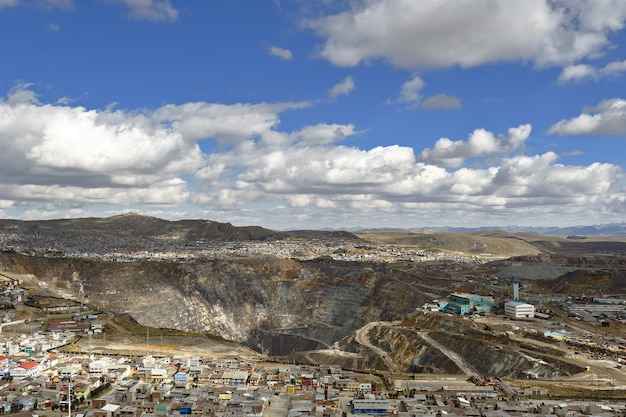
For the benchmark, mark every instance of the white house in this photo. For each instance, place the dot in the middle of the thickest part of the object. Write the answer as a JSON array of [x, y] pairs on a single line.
[[26, 370], [70, 370], [97, 368], [519, 310], [158, 374]]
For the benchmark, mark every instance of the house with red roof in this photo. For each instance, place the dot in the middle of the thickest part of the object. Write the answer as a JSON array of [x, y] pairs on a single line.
[[4, 365], [25, 370]]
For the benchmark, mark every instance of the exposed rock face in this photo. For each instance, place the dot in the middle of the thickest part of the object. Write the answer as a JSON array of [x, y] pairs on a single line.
[[275, 305], [508, 362], [450, 346], [286, 307]]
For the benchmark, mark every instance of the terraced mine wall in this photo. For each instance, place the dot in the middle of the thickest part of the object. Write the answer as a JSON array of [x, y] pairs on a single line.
[[275, 305], [439, 344]]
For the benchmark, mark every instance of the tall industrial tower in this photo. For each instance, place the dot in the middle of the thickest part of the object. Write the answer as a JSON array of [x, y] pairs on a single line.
[[515, 282]]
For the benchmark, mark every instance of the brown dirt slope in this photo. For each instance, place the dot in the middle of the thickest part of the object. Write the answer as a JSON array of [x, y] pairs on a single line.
[[493, 243]]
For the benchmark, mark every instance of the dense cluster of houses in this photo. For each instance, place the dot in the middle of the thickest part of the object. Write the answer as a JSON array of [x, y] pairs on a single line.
[[146, 386], [150, 386]]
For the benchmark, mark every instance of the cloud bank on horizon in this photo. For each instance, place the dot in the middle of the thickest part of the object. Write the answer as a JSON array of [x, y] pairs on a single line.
[[387, 113]]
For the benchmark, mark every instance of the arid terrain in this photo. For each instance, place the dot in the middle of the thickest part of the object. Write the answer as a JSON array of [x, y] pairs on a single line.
[[327, 297]]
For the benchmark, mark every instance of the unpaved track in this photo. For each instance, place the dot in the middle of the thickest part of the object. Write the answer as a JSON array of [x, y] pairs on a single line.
[[453, 356], [362, 337]]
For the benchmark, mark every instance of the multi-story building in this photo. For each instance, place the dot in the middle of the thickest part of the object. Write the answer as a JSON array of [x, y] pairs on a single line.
[[519, 310]]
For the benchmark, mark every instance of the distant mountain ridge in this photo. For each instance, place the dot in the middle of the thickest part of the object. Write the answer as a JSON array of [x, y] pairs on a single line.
[[134, 226], [611, 229]]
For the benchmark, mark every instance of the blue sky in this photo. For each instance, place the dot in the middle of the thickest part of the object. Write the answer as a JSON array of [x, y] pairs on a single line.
[[298, 114]]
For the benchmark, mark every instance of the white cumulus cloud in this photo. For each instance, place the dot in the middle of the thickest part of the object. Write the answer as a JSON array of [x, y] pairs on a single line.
[[607, 118], [69, 159], [8, 3], [580, 72], [411, 92], [468, 33], [225, 123], [343, 88], [442, 101], [151, 10], [284, 54], [449, 153], [41, 4]]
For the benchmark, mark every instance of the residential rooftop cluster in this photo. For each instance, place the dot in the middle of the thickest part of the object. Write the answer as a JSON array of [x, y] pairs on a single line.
[[125, 249], [149, 386]]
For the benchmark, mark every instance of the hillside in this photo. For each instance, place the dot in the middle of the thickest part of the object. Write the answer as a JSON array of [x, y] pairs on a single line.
[[132, 226], [134, 232], [496, 244]]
